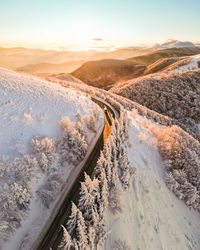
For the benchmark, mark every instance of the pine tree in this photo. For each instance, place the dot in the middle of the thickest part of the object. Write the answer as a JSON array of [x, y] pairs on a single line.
[[94, 190], [81, 234], [88, 181], [66, 240], [124, 164], [75, 244], [104, 162], [91, 237], [114, 200], [86, 202], [104, 193], [94, 218], [71, 223]]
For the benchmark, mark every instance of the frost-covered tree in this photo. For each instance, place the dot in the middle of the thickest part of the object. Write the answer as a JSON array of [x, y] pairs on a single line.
[[86, 202], [115, 200], [75, 245], [123, 125], [90, 122], [124, 166], [91, 237], [181, 155], [44, 150], [80, 231], [93, 185], [49, 189], [66, 242], [72, 147], [21, 195], [71, 223], [104, 192], [104, 162], [113, 169]]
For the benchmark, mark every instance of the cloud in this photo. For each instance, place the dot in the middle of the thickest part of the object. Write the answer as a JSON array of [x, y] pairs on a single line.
[[97, 39], [173, 43]]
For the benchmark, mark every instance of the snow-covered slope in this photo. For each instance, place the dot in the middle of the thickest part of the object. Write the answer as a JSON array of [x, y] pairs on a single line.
[[39, 119], [186, 64], [31, 106], [152, 217]]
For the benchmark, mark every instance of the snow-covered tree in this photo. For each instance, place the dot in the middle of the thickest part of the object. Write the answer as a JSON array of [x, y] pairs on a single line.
[[86, 202], [104, 162], [71, 223], [66, 242], [72, 147], [75, 245], [44, 150], [21, 195], [90, 122], [91, 237], [80, 232], [104, 192], [181, 155], [115, 200]]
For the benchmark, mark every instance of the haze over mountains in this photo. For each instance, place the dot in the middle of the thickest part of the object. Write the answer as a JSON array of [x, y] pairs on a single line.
[[36, 61], [40, 61]]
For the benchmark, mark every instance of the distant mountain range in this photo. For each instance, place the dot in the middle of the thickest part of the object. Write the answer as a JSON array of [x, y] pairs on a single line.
[[165, 53], [45, 61], [105, 73], [38, 61]]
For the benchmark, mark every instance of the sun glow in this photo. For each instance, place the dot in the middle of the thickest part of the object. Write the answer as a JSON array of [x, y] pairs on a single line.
[[83, 34]]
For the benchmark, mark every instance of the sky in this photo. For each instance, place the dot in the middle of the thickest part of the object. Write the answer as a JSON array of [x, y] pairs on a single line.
[[73, 24]]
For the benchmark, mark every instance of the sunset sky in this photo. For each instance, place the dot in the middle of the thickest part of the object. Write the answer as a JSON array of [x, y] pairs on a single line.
[[79, 24]]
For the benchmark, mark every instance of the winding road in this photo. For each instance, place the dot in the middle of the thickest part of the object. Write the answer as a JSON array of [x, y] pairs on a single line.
[[52, 232]]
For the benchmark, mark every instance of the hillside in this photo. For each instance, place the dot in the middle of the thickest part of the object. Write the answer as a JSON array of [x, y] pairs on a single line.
[[174, 64], [165, 53], [144, 192], [45, 132], [184, 64], [103, 73], [161, 65], [50, 68], [175, 95], [61, 77]]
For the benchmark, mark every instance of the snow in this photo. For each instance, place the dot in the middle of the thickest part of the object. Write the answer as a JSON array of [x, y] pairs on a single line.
[[30, 106], [172, 43], [193, 64], [152, 217]]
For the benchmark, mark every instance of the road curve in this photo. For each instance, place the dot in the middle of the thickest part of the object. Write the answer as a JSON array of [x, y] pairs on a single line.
[[52, 233]]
